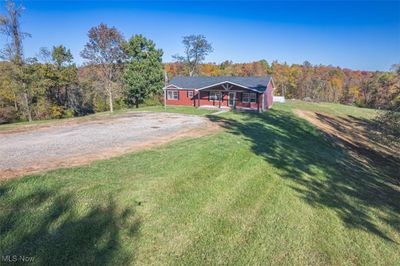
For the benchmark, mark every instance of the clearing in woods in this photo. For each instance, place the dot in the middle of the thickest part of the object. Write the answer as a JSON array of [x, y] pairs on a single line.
[[267, 188]]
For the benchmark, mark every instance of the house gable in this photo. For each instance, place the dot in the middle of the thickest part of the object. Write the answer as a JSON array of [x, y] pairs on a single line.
[[221, 91], [257, 84], [227, 85]]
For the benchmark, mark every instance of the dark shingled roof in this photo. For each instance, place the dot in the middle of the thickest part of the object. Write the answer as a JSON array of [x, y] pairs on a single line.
[[197, 82]]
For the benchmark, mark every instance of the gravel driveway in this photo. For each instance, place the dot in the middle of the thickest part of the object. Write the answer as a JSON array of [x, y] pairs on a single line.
[[78, 143]]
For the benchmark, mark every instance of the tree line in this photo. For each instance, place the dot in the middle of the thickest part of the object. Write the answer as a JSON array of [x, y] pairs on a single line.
[[119, 73], [314, 83], [116, 73]]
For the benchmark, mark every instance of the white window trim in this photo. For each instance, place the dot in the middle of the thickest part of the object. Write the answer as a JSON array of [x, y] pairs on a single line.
[[216, 97], [171, 95], [250, 97], [253, 96], [246, 97], [190, 92]]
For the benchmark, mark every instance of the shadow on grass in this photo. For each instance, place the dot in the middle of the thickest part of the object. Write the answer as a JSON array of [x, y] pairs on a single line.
[[51, 229], [380, 159], [326, 175]]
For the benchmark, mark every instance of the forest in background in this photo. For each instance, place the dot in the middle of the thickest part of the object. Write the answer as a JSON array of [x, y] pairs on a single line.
[[119, 73], [70, 90], [320, 83]]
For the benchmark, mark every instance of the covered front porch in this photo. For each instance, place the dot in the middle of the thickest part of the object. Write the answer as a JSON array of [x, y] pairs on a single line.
[[229, 96]]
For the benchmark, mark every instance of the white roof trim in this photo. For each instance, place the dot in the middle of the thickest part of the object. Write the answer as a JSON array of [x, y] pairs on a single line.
[[273, 83], [220, 83], [176, 87]]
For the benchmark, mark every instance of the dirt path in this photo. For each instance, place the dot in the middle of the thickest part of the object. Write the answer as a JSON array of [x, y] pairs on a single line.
[[357, 137], [334, 126], [349, 130], [77, 143]]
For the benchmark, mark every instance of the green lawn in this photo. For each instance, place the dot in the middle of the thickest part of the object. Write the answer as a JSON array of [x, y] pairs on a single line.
[[330, 108], [268, 190]]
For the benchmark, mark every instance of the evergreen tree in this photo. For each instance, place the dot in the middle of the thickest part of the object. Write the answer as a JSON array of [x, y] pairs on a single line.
[[144, 71]]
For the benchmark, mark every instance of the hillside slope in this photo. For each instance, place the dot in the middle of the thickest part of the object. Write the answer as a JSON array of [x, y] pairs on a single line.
[[270, 188]]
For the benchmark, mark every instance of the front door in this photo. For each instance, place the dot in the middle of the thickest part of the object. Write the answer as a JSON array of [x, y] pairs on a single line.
[[232, 99]]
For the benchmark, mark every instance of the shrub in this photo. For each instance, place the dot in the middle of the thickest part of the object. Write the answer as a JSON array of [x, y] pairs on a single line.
[[153, 100], [7, 115], [119, 104], [100, 104], [68, 113], [42, 110], [56, 112]]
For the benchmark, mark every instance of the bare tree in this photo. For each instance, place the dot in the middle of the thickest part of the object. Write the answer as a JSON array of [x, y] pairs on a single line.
[[44, 55], [10, 27], [104, 49], [196, 49], [13, 51]]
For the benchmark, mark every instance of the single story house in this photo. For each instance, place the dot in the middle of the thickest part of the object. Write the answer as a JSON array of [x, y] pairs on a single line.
[[251, 93]]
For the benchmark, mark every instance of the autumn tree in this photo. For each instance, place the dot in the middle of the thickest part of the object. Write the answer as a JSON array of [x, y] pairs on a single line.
[[60, 80], [30, 81], [22, 76], [196, 48], [281, 74], [266, 68], [104, 50], [388, 122], [144, 72], [313, 82], [8, 94]]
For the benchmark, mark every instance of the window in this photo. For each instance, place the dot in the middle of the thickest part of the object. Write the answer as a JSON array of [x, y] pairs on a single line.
[[253, 97], [245, 97], [249, 97], [190, 94], [172, 95], [215, 95]]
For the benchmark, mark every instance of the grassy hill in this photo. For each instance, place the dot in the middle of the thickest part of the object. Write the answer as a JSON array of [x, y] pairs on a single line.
[[270, 188], [329, 108]]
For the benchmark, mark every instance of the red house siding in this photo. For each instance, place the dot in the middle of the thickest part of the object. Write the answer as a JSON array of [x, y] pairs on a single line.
[[184, 99], [269, 92]]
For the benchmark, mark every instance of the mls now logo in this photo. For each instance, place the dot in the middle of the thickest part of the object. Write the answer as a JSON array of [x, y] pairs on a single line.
[[16, 258]]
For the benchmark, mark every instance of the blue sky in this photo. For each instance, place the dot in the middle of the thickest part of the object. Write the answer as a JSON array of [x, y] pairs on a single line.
[[359, 35]]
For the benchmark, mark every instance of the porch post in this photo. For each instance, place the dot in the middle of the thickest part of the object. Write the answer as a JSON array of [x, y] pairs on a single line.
[[262, 108], [165, 90], [165, 99], [198, 98], [258, 102]]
